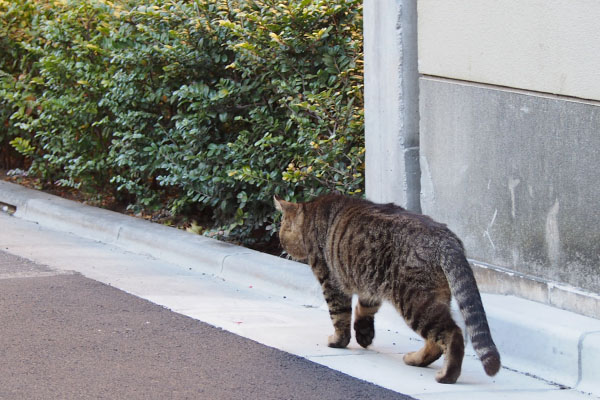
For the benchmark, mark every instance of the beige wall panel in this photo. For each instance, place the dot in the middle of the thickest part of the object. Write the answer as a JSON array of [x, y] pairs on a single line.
[[550, 46]]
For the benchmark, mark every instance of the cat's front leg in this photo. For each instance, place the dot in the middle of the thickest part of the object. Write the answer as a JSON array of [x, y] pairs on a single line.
[[339, 304], [340, 311]]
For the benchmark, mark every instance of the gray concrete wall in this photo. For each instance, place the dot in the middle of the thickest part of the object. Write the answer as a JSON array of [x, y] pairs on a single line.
[[516, 175]]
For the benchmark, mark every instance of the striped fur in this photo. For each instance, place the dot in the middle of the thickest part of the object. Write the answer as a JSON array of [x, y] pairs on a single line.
[[383, 252]]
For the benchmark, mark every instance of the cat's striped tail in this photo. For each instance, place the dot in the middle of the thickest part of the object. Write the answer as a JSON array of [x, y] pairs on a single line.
[[464, 289]]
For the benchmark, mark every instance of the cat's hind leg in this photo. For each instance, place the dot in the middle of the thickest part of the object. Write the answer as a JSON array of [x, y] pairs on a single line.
[[431, 318], [430, 352], [364, 321], [452, 342]]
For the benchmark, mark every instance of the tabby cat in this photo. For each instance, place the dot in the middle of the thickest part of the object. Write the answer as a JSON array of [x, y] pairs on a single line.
[[383, 252]]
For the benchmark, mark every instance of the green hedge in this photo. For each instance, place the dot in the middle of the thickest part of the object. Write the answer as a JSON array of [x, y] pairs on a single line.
[[202, 107]]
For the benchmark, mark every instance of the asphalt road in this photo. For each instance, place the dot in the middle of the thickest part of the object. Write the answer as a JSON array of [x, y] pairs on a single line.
[[64, 336]]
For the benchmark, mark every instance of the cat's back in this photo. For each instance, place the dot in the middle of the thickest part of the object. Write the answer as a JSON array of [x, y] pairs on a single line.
[[357, 224], [354, 212], [369, 245]]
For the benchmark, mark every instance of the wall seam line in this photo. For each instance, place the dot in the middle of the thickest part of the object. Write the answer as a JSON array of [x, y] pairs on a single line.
[[525, 92]]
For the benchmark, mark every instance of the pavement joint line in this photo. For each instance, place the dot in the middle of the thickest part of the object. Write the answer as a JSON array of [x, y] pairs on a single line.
[[507, 391], [580, 355], [223, 263], [241, 253], [364, 353], [558, 386]]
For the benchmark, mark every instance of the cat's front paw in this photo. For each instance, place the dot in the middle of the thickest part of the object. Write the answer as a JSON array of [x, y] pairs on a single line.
[[365, 330], [338, 341]]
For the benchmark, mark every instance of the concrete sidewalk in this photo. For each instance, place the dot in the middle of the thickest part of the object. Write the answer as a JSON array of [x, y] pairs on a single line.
[[561, 348]]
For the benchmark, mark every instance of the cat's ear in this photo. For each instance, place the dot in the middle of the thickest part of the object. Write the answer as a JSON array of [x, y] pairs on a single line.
[[282, 205], [277, 200]]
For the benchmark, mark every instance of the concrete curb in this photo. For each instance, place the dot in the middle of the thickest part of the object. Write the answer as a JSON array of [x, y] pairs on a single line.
[[589, 380], [556, 345], [553, 344], [193, 252]]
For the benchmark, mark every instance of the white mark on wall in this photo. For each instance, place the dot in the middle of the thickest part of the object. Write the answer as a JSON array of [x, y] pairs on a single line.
[[525, 109], [515, 256], [427, 187], [486, 233], [512, 184], [563, 81], [552, 234], [493, 219], [489, 183]]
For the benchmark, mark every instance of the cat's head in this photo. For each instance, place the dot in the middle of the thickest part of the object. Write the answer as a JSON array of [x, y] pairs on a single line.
[[291, 232]]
